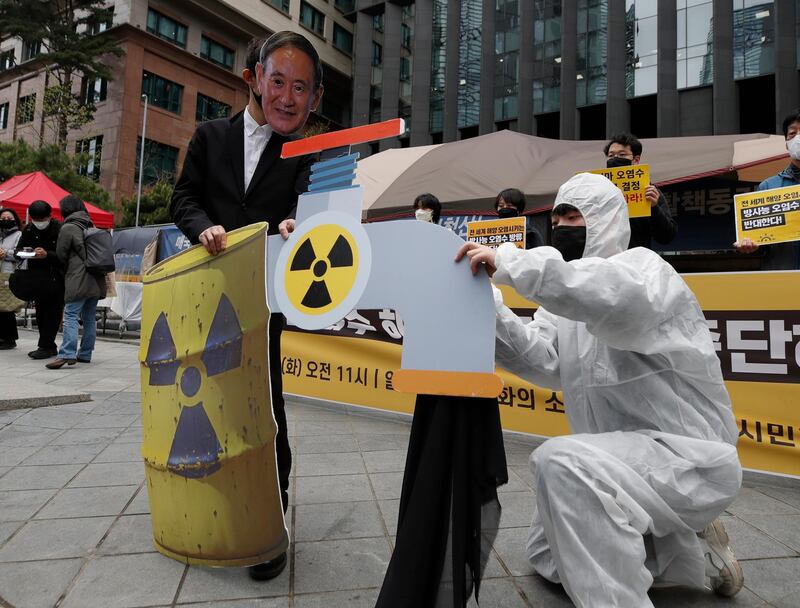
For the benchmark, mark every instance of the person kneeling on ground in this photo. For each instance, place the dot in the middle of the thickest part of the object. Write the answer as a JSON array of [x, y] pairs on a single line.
[[632, 497]]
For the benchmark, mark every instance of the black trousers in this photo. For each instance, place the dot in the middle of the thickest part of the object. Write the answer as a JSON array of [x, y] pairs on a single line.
[[48, 320], [8, 327], [284, 452]]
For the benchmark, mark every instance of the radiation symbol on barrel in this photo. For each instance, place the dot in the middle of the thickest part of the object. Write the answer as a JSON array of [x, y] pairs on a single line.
[[323, 269], [195, 448]]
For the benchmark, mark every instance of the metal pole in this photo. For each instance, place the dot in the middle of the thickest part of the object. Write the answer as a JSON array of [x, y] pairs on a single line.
[[141, 161]]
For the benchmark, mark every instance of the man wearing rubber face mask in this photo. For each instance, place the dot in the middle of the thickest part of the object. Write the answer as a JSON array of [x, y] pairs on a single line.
[[783, 255], [632, 497], [233, 176], [624, 150]]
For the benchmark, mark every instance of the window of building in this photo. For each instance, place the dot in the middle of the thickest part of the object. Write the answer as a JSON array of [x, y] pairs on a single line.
[[407, 24], [346, 6], [209, 108], [162, 92], [641, 36], [592, 52], [342, 39], [469, 63], [506, 59], [312, 18], [26, 108], [4, 115], [694, 54], [405, 35], [101, 23], [94, 90], [405, 69], [31, 49], [7, 60], [166, 28], [439, 46], [93, 148], [753, 38], [377, 54], [377, 22], [160, 161], [547, 56], [281, 5], [216, 53]]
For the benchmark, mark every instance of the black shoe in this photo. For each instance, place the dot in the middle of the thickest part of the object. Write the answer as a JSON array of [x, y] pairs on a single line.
[[42, 353], [268, 570], [8, 344], [79, 360]]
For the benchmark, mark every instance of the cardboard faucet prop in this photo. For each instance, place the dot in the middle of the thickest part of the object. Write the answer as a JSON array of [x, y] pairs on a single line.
[[208, 429]]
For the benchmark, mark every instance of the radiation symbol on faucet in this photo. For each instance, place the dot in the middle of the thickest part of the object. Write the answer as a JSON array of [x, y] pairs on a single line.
[[195, 446], [324, 269]]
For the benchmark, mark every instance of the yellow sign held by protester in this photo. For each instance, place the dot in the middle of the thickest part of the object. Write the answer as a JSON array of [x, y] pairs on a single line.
[[494, 233], [769, 216], [633, 182]]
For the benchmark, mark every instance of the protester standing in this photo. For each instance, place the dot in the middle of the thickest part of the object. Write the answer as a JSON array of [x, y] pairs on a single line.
[[624, 150], [43, 276], [427, 208], [511, 203], [82, 290], [10, 227], [782, 256]]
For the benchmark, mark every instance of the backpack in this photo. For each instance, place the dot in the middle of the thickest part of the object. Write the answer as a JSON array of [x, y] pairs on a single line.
[[99, 251]]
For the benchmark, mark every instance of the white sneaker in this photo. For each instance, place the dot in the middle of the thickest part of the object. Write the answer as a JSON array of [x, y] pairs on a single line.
[[721, 565]]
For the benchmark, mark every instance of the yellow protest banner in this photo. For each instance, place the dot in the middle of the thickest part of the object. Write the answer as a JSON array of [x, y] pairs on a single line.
[[494, 233], [754, 322], [769, 216], [633, 182]]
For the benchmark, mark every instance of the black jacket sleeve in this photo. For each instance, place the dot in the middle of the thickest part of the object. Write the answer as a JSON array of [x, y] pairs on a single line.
[[663, 227], [187, 207]]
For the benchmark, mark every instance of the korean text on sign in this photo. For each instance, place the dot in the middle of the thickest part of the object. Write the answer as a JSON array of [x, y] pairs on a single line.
[[494, 233], [633, 182], [769, 216]]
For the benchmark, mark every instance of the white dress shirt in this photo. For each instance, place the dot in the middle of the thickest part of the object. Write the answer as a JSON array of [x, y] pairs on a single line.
[[255, 140]]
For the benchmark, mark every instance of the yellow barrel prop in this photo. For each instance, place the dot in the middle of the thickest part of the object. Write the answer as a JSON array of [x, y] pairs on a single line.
[[208, 429]]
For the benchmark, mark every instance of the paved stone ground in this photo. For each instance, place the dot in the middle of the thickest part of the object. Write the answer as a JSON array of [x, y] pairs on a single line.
[[75, 525]]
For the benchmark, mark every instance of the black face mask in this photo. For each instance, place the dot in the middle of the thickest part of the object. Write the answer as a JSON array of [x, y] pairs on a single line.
[[570, 241], [507, 212], [7, 224], [617, 161]]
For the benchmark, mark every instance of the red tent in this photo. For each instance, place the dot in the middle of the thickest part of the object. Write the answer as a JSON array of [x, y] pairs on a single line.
[[20, 191]]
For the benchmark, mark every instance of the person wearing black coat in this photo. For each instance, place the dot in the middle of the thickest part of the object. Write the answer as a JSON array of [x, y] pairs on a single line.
[[46, 273], [233, 176], [623, 150]]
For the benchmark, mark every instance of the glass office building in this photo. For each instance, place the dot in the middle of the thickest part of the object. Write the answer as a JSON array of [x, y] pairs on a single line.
[[580, 69]]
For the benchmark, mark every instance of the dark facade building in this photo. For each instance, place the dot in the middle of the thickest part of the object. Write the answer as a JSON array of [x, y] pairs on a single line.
[[578, 69]]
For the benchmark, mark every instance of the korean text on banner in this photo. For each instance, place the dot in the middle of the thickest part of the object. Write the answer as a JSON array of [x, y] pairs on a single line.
[[633, 182], [752, 317], [769, 216], [494, 233]]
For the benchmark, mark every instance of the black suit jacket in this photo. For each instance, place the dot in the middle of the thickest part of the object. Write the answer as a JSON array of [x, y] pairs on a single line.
[[210, 190]]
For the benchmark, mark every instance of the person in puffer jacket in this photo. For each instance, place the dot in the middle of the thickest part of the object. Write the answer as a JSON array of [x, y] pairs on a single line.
[[82, 290]]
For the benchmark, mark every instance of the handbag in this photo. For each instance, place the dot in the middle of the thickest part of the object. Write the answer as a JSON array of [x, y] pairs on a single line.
[[8, 301], [30, 286]]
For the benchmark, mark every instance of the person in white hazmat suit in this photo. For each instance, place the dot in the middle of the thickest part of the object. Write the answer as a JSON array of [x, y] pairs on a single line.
[[632, 497]]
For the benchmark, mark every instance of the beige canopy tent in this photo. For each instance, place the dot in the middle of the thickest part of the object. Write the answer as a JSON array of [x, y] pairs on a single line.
[[467, 175]]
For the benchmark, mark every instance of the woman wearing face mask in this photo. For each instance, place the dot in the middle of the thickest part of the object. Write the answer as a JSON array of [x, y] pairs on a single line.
[[9, 237], [511, 203], [427, 208], [44, 276]]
